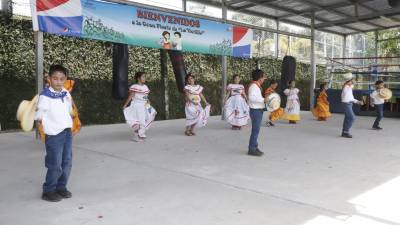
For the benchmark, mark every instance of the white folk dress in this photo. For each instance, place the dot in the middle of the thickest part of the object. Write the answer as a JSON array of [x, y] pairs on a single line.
[[195, 113], [292, 110], [236, 107], [140, 114]]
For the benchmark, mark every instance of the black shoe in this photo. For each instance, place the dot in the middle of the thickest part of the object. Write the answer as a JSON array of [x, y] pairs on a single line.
[[270, 124], [346, 135], [256, 152], [377, 128], [64, 193], [51, 197]]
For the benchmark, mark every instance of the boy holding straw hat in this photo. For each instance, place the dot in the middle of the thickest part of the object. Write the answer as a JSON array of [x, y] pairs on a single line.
[[54, 113], [378, 98]]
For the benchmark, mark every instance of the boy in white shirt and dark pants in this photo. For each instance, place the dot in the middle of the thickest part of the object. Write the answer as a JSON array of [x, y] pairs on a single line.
[[378, 102], [54, 112], [348, 100], [257, 105]]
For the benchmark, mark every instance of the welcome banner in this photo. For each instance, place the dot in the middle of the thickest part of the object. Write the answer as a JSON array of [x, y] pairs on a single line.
[[131, 25]]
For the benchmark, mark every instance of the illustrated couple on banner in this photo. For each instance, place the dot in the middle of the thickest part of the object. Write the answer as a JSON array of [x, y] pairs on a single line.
[[167, 43]]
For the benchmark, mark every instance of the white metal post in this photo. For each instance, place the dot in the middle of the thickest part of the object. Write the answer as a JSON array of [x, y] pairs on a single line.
[[224, 66], [39, 61], [38, 36], [277, 40], [184, 5], [312, 62]]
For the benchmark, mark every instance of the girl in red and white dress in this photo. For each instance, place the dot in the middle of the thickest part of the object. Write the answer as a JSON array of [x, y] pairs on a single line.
[[139, 114], [236, 107], [196, 115]]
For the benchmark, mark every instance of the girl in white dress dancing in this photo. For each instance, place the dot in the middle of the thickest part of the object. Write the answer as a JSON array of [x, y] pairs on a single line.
[[292, 110], [196, 115], [139, 114], [236, 107]]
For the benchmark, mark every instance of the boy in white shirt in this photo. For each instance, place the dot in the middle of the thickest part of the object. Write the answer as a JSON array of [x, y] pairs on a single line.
[[378, 102], [348, 100], [54, 112], [257, 105]]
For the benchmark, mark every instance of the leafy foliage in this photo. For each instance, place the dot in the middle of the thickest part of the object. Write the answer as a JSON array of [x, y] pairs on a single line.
[[90, 64]]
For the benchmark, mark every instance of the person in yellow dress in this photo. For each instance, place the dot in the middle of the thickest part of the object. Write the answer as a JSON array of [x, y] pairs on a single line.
[[292, 109], [321, 109], [277, 114]]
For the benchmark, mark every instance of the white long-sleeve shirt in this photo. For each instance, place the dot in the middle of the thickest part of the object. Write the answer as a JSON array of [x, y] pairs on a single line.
[[376, 99], [347, 95], [54, 113], [256, 100]]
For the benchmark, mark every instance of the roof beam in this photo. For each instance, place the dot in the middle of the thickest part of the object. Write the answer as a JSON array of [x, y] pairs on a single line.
[[366, 31], [337, 12], [378, 14], [253, 3], [232, 2], [263, 15], [300, 13], [332, 6]]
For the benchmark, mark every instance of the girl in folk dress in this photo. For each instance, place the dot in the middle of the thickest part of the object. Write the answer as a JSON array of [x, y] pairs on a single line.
[[236, 107], [139, 114], [292, 110], [277, 114], [321, 109], [196, 115]]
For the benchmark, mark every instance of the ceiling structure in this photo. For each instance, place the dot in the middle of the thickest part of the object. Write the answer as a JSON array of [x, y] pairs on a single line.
[[343, 17]]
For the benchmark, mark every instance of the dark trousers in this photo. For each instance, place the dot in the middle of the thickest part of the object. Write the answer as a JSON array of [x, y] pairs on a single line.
[[349, 117], [58, 160], [379, 110], [256, 116]]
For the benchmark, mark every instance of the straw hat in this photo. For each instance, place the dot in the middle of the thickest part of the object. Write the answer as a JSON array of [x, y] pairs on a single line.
[[26, 113], [348, 76], [385, 93]]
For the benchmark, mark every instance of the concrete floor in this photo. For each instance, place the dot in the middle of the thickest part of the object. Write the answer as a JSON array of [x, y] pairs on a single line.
[[308, 176]]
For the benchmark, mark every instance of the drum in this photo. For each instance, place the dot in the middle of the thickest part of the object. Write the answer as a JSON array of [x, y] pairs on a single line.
[[195, 98], [273, 103], [385, 93]]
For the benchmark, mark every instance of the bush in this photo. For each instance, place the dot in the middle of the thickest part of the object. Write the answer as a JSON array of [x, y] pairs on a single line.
[[90, 63]]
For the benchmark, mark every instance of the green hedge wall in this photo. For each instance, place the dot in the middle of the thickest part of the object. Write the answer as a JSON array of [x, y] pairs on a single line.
[[90, 63]]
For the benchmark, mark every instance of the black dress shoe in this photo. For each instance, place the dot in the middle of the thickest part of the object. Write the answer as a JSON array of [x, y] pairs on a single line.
[[256, 152], [51, 197], [270, 124], [377, 128], [64, 193], [346, 135]]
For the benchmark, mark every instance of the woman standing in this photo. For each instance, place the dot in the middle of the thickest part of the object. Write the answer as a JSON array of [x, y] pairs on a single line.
[[196, 115], [236, 107], [139, 114], [348, 100], [292, 110]]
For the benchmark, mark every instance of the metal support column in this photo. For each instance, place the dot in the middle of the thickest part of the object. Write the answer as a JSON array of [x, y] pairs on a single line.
[[38, 36], [277, 40], [184, 5], [312, 62], [164, 76], [39, 61], [376, 45], [224, 66], [344, 46]]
